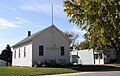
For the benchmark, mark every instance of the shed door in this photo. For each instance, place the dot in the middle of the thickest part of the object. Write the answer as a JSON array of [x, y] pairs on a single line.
[[99, 59]]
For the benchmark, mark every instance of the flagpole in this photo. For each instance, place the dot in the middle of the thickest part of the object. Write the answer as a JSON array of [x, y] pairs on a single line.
[[52, 14]]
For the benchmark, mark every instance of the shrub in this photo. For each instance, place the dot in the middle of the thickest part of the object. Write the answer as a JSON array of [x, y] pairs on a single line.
[[51, 63], [34, 64]]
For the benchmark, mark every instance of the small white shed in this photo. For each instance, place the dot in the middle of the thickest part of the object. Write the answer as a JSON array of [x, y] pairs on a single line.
[[3, 63], [92, 56]]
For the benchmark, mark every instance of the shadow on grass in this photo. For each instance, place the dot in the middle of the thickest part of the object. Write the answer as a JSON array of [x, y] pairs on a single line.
[[91, 68]]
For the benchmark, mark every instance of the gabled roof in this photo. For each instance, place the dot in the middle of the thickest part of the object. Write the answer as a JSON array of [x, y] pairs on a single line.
[[27, 39]]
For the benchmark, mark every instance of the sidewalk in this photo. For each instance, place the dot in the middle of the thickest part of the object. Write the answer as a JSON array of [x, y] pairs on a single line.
[[70, 74], [99, 73]]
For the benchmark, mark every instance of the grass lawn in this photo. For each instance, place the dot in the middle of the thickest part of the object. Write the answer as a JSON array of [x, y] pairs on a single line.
[[27, 71]]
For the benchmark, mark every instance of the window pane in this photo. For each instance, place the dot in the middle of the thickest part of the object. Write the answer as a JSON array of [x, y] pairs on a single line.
[[24, 51], [41, 50], [40, 47], [15, 54], [19, 53], [62, 50], [96, 56], [100, 55]]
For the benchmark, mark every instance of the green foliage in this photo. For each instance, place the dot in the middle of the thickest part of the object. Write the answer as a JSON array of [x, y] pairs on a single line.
[[83, 45], [27, 71], [35, 64], [100, 18], [49, 63], [6, 54]]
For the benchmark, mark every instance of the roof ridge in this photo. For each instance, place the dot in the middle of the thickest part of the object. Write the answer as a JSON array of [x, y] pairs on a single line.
[[27, 39]]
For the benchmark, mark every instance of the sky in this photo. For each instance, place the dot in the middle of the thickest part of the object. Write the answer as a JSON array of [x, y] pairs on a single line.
[[19, 16]]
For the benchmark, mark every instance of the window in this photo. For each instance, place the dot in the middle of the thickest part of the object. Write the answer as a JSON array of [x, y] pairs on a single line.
[[15, 54], [96, 56], [62, 51], [19, 53], [41, 48], [24, 51], [100, 55]]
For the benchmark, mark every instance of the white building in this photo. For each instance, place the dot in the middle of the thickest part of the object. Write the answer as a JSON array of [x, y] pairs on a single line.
[[3, 63], [48, 44], [93, 56]]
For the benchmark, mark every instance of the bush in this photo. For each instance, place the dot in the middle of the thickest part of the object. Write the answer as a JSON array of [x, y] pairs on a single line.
[[49, 63], [35, 64], [68, 65]]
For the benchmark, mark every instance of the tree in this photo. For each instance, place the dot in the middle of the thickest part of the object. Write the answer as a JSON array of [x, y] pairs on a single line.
[[7, 55], [83, 45], [72, 37], [101, 20]]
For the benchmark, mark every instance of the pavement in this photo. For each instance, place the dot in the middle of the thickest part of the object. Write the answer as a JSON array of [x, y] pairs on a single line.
[[98, 73]]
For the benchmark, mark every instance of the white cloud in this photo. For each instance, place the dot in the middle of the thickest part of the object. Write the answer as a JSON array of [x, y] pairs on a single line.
[[78, 30], [5, 24], [33, 5], [38, 6], [20, 21], [8, 7]]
